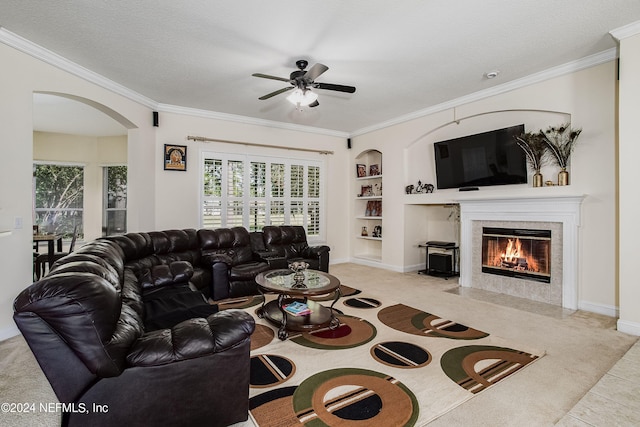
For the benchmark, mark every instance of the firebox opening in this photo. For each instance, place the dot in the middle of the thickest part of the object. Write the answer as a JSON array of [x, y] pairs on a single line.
[[519, 253]]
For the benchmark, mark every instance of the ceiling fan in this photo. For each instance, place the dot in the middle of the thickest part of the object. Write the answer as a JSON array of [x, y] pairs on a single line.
[[302, 81]]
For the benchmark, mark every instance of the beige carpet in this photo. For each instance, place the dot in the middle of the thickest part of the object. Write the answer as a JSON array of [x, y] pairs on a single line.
[[580, 348]]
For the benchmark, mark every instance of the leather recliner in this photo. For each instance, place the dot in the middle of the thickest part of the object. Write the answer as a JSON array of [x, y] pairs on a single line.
[[290, 242], [234, 264], [85, 324]]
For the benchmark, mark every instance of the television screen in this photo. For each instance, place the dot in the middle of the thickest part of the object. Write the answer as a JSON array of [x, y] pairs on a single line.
[[488, 158]]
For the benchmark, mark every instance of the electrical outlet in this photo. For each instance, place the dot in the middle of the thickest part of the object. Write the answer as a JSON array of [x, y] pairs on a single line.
[[18, 223]]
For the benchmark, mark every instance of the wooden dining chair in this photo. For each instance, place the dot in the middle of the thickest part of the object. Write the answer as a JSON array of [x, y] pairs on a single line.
[[42, 260]]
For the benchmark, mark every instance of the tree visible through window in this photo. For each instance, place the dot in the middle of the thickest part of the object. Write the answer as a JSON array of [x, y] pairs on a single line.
[[58, 198], [114, 217]]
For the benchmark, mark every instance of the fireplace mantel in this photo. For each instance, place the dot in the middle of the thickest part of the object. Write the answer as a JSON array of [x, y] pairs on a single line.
[[561, 208]]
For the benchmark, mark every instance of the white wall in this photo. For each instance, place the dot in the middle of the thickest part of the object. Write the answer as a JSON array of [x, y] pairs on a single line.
[[178, 193], [629, 209], [588, 98]]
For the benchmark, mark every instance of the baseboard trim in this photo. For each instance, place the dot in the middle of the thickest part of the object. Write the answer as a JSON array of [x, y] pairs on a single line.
[[9, 332], [631, 328], [376, 264], [413, 268], [606, 310]]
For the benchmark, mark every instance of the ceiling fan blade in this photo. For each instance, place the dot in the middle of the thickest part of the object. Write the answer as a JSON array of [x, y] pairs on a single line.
[[315, 71], [339, 88], [314, 103], [267, 76], [277, 92]]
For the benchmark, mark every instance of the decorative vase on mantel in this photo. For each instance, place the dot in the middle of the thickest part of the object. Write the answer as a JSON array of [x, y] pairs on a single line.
[[535, 149], [537, 179], [561, 140], [563, 177]]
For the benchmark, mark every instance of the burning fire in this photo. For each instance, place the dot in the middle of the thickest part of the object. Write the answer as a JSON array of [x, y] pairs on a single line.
[[515, 258], [513, 251]]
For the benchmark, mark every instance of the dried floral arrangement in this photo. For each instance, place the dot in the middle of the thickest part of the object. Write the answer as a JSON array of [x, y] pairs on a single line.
[[535, 148], [561, 140]]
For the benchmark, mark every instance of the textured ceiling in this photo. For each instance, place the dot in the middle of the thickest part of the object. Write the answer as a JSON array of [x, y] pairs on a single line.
[[404, 56]]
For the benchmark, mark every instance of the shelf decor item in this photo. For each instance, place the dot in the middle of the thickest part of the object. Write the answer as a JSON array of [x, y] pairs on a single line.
[[535, 148], [561, 140], [361, 170], [374, 170]]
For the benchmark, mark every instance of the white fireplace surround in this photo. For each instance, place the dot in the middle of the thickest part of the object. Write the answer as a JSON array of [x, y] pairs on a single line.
[[564, 209]]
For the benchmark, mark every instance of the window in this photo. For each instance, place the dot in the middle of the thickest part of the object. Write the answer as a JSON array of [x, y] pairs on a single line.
[[239, 190], [114, 204], [58, 198]]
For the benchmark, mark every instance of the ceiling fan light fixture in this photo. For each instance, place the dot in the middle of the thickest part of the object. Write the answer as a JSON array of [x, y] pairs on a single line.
[[302, 97]]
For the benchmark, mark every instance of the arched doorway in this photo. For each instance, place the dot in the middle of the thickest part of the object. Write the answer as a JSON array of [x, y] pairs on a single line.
[[88, 141]]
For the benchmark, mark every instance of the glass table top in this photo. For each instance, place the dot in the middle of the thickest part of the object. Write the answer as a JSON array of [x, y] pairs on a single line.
[[283, 281]]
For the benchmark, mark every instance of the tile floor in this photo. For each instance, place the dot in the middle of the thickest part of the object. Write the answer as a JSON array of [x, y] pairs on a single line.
[[614, 400]]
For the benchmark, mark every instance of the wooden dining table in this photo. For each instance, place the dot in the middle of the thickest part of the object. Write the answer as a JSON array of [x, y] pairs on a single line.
[[51, 240]]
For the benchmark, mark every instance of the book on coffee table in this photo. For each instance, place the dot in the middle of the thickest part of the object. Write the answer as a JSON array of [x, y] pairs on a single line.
[[297, 308]]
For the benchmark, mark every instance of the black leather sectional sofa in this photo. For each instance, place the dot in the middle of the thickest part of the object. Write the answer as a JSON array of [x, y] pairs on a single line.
[[124, 323]]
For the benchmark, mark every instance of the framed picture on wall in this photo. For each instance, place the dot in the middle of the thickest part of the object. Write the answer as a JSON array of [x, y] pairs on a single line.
[[175, 157]]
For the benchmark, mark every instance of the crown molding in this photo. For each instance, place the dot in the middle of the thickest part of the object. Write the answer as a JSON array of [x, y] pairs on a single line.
[[570, 67], [52, 58], [207, 114], [626, 31], [45, 55]]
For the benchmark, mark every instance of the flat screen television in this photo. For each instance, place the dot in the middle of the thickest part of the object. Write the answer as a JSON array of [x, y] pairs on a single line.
[[483, 159]]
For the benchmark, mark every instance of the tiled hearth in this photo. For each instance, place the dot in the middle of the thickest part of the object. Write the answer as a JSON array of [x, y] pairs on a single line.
[[561, 215]]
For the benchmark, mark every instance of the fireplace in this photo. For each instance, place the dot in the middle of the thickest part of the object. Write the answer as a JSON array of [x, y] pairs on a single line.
[[560, 214], [518, 253]]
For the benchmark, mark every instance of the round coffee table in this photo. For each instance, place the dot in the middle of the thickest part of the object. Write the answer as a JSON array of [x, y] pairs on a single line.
[[282, 282]]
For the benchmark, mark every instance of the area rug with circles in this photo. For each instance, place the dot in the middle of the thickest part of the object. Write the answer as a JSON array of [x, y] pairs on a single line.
[[387, 364]]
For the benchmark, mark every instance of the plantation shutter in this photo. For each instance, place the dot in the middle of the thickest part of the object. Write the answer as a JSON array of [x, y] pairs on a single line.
[[239, 190]]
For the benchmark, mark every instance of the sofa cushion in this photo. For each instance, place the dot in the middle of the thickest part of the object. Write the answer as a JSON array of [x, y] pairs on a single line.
[[107, 250], [178, 272], [234, 242], [87, 263], [192, 338]]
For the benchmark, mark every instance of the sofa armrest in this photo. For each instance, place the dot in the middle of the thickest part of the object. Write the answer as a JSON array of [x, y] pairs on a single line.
[[321, 253], [318, 250], [177, 272], [192, 338]]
